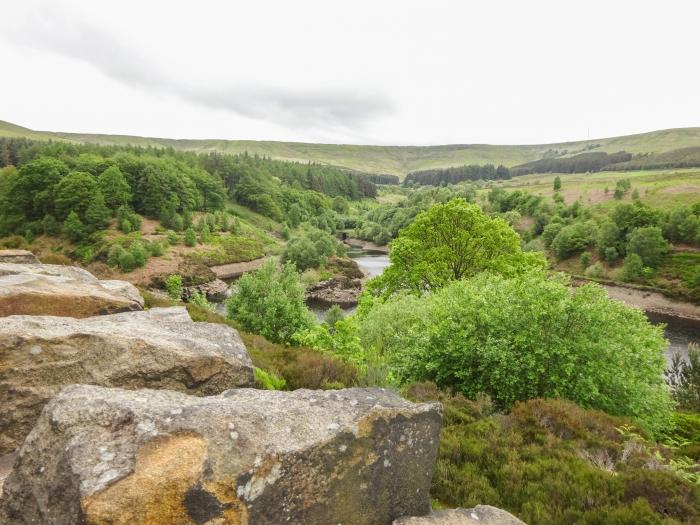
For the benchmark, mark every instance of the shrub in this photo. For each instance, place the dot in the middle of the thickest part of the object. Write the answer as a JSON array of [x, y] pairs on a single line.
[[572, 239], [268, 380], [200, 300], [113, 254], [595, 270], [126, 261], [550, 462], [139, 253], [85, 254], [155, 249], [611, 254], [56, 258], [649, 244], [173, 286], [684, 378], [74, 229], [190, 237], [632, 268], [173, 238], [585, 260], [310, 248], [524, 337], [270, 302]]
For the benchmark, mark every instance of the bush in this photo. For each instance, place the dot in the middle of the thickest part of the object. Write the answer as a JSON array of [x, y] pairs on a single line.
[[684, 378], [585, 260], [155, 249], [573, 239], [271, 302], [526, 337], [126, 261], [74, 229], [173, 238], [595, 270], [310, 248], [649, 244], [200, 300], [173, 286], [550, 462], [611, 254], [632, 268], [190, 237], [268, 380], [139, 253]]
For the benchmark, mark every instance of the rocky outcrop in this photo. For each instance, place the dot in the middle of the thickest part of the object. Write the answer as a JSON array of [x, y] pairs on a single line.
[[235, 270], [18, 257], [96, 455], [215, 290], [158, 348], [337, 290], [479, 515], [47, 289]]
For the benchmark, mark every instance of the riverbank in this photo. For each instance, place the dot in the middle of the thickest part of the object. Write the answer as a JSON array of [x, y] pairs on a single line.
[[649, 301], [365, 245]]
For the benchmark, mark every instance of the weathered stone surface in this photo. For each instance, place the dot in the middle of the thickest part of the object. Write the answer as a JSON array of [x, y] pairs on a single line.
[[158, 348], [215, 290], [479, 515], [18, 257], [48, 289], [337, 290], [245, 457]]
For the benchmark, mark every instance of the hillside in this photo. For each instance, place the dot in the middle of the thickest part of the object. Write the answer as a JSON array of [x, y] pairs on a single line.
[[395, 160]]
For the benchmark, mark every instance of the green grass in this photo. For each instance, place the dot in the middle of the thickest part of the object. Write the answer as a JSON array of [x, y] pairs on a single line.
[[395, 160], [663, 189]]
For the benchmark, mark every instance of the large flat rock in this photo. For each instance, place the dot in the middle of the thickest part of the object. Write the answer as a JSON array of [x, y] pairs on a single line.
[[158, 348], [18, 257], [479, 515], [244, 457], [49, 289]]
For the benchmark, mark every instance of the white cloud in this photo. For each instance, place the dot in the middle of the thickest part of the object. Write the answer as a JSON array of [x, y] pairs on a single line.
[[427, 72]]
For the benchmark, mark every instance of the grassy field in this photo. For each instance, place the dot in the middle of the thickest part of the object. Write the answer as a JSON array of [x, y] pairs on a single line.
[[662, 189], [395, 160]]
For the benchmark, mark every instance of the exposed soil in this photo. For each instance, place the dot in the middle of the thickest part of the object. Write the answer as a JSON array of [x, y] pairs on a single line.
[[653, 302]]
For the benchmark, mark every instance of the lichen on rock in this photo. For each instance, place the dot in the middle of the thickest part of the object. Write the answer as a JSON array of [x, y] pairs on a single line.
[[141, 457]]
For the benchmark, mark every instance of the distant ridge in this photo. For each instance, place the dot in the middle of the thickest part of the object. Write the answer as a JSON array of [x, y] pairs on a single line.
[[395, 160]]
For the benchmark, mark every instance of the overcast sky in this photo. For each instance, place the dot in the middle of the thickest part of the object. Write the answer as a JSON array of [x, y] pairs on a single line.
[[368, 72]]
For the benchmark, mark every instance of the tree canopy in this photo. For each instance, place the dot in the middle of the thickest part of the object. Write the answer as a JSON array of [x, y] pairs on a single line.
[[449, 242]]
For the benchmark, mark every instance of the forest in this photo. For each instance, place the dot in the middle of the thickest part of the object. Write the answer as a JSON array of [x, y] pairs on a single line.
[[437, 177]]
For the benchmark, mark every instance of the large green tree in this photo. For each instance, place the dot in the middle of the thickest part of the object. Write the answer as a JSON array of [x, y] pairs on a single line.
[[525, 337], [114, 187], [449, 242], [649, 244], [270, 302], [75, 192]]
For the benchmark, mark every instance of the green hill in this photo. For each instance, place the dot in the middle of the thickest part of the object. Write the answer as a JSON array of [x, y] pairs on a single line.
[[395, 160]]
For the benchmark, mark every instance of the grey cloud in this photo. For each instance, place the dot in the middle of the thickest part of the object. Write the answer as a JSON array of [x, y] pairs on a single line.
[[331, 109]]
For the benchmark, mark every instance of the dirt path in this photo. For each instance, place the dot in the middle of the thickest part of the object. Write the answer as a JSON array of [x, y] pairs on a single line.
[[235, 270]]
